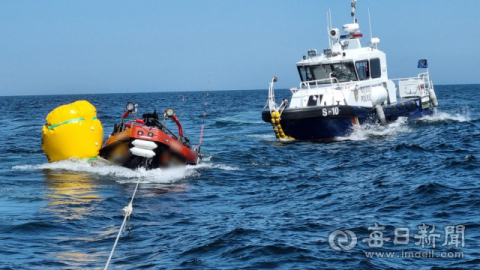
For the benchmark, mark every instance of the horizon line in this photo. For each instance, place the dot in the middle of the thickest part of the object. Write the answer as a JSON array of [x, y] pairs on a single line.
[[108, 93]]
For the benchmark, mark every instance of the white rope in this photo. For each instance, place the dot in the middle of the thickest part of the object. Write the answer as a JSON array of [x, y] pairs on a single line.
[[126, 212]]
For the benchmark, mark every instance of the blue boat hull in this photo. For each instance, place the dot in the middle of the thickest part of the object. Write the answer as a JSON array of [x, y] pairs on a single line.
[[326, 123]]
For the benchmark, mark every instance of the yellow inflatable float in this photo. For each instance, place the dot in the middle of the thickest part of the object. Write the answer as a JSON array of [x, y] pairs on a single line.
[[72, 131]]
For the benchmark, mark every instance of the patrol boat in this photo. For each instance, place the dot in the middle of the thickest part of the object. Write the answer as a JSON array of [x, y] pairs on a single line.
[[344, 86]]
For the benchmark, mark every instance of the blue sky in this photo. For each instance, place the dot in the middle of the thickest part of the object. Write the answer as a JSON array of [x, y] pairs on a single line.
[[67, 47]]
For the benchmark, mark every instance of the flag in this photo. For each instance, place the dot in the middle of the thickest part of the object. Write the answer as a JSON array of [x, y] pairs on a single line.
[[422, 63]]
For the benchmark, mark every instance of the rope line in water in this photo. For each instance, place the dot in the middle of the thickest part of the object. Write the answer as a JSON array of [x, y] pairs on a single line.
[[204, 112], [126, 212]]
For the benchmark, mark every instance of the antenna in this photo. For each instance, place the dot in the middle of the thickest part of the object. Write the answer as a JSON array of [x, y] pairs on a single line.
[[329, 40], [330, 18], [328, 29], [328, 24], [354, 6], [370, 23]]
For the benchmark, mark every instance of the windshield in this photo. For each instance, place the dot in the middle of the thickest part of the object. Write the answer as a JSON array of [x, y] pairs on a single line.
[[344, 72]]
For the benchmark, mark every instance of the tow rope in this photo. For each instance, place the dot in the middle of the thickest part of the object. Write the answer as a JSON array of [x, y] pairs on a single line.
[[204, 112], [126, 212]]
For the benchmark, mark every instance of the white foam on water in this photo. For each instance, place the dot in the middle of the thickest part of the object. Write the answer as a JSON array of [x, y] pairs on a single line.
[[206, 159], [369, 131], [262, 136], [125, 175], [439, 116], [207, 165]]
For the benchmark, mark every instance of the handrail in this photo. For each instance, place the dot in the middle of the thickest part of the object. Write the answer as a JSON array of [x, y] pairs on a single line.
[[331, 79], [422, 77], [272, 105], [422, 80], [307, 83], [419, 76], [180, 128]]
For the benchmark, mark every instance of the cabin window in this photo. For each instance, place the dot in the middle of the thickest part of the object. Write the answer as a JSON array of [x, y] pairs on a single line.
[[362, 70], [343, 71], [312, 100], [375, 68], [322, 72], [305, 73]]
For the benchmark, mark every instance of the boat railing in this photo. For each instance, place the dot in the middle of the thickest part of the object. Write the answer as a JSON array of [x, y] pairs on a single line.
[[309, 84], [413, 86], [421, 78], [272, 105], [331, 83]]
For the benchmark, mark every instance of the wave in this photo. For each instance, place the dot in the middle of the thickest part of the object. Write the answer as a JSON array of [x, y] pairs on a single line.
[[440, 116], [125, 175], [412, 147], [369, 131], [263, 136], [215, 166]]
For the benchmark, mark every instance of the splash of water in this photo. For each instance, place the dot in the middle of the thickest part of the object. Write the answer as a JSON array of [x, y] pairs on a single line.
[[462, 116], [369, 131], [125, 175], [269, 136]]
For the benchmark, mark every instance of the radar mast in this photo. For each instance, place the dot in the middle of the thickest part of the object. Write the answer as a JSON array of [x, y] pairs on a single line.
[[354, 7]]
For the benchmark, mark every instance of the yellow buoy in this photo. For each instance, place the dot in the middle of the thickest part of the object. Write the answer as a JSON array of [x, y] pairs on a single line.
[[72, 131]]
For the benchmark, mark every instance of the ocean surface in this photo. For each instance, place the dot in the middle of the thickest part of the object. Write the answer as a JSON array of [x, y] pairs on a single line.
[[253, 203]]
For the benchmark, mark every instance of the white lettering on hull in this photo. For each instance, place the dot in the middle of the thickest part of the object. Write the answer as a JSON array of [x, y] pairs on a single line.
[[333, 111]]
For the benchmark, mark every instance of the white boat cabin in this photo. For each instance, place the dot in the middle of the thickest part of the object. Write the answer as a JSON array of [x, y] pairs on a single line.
[[348, 74]]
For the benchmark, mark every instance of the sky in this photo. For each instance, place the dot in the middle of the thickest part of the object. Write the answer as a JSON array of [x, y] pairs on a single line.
[[76, 47]]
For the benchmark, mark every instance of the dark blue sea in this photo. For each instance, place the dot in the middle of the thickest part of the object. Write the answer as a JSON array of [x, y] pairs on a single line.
[[384, 196]]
